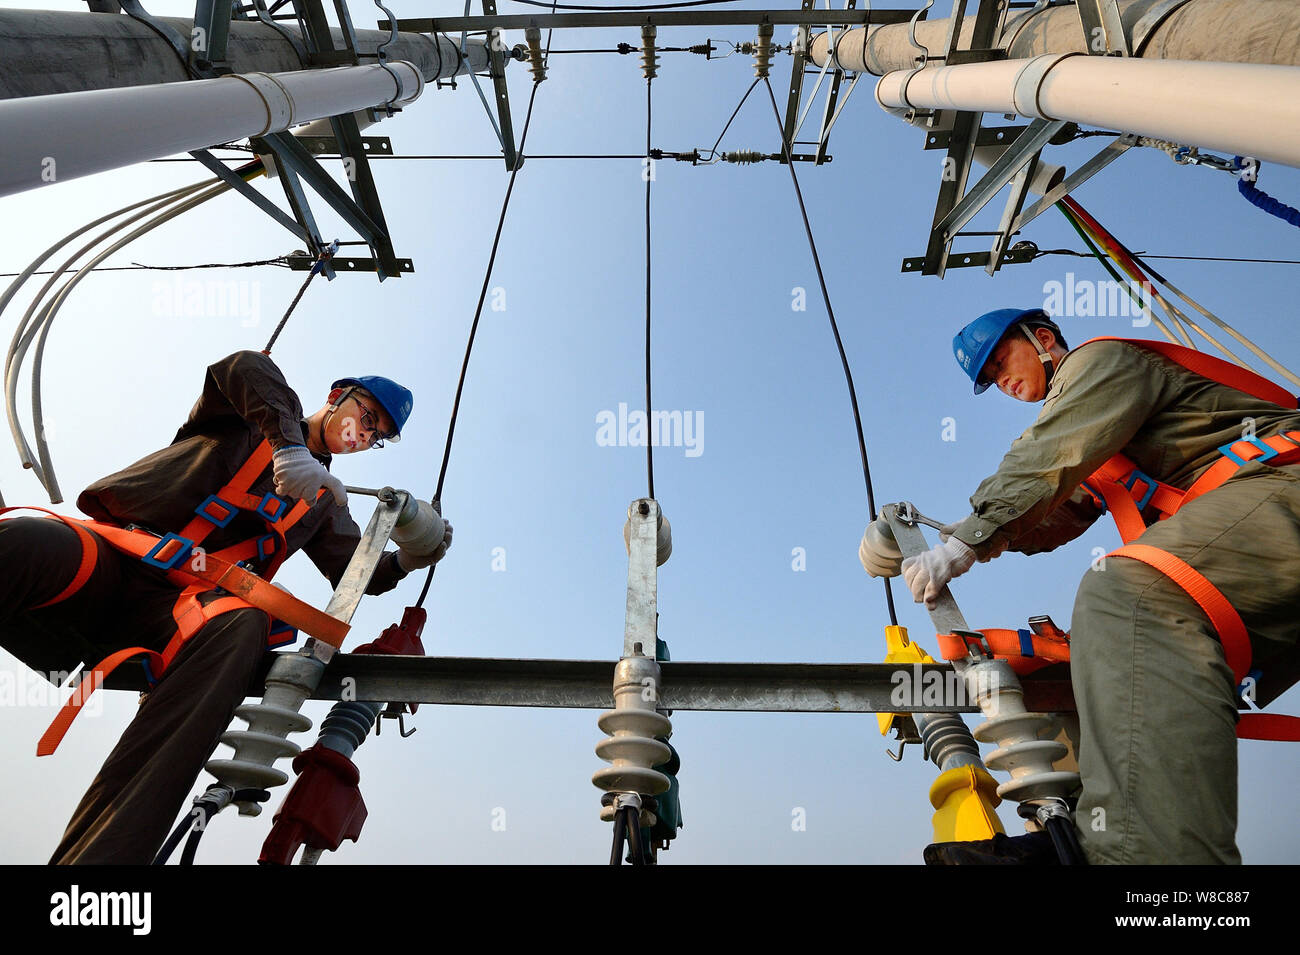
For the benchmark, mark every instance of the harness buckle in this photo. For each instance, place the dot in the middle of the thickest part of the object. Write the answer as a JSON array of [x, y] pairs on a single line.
[[287, 634], [1152, 484], [1268, 452], [168, 552], [1096, 496], [272, 508], [212, 509], [977, 644], [266, 547]]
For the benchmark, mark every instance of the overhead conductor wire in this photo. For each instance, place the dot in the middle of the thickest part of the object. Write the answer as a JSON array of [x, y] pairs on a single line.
[[839, 343], [649, 166], [482, 297]]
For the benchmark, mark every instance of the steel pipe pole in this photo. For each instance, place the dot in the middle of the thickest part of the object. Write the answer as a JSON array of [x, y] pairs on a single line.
[[69, 135], [1246, 109]]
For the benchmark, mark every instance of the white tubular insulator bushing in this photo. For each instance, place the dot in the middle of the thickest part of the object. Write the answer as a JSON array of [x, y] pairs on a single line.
[[1245, 109], [291, 681], [632, 726], [422, 534], [1026, 748], [46, 137]]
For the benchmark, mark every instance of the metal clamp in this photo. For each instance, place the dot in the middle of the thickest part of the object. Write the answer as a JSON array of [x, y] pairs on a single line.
[[908, 514]]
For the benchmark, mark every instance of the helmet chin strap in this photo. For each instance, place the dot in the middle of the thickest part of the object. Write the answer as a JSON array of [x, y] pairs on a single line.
[[1049, 366], [333, 408]]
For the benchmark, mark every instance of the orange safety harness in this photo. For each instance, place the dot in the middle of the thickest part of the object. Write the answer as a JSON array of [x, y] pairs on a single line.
[[1121, 487], [185, 564]]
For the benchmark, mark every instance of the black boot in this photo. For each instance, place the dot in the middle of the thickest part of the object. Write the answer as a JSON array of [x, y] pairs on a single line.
[[1034, 848]]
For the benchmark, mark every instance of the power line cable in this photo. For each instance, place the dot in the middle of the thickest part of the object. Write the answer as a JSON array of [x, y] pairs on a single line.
[[478, 311], [734, 113], [649, 177], [839, 343]]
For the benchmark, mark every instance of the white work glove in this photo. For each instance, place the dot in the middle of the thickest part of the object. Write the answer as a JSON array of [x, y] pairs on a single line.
[[423, 540], [927, 574], [879, 551], [299, 475]]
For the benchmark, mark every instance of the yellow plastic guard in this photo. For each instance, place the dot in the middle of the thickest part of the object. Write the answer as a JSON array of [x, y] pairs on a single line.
[[900, 650], [964, 799]]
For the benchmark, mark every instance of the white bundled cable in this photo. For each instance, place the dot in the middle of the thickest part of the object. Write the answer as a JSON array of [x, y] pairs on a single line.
[[27, 330]]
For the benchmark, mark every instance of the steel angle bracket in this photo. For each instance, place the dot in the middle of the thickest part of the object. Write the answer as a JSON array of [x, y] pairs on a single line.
[[1096, 164], [303, 263], [1103, 31], [497, 61], [1011, 165], [295, 164], [798, 67], [829, 113], [966, 260], [963, 133], [210, 34], [246, 189]]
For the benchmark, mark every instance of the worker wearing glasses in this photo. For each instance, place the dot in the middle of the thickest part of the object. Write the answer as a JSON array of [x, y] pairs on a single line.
[[53, 615]]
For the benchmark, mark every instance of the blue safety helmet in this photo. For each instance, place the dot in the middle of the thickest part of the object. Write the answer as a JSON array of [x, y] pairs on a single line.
[[392, 397], [973, 345]]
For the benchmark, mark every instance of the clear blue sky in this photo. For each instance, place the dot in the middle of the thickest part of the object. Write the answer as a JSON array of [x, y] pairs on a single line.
[[778, 469]]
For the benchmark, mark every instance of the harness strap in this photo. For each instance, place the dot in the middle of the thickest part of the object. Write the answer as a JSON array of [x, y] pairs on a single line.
[[51, 738], [1127, 490], [1024, 650], [190, 616], [1215, 369], [235, 580], [1232, 635], [220, 509], [1277, 450], [89, 557]]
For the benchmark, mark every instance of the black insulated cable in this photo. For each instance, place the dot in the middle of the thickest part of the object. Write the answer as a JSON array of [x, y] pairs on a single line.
[[839, 343]]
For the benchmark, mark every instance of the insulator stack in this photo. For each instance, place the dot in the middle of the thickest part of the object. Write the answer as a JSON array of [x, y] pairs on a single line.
[[633, 726], [536, 59], [744, 157], [763, 50], [1025, 741], [649, 61], [947, 738], [269, 723]]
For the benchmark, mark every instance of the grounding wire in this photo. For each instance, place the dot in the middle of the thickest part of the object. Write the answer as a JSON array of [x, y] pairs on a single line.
[[316, 269], [839, 343], [478, 311]]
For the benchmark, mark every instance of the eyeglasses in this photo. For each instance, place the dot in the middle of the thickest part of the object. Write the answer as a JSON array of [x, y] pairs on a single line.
[[369, 422]]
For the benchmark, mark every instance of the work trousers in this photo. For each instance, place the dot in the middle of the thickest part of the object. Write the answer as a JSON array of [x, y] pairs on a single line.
[[1157, 703], [140, 790]]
